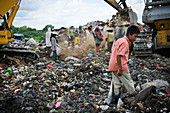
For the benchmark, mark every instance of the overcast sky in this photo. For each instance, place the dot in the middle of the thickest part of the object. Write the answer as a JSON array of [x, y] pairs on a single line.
[[64, 13]]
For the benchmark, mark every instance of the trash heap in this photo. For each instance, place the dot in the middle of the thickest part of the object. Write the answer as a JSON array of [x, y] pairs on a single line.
[[151, 76], [49, 86], [82, 85]]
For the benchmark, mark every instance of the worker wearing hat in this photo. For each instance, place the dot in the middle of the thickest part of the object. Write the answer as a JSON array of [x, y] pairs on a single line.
[[119, 31], [54, 44], [110, 38], [71, 35]]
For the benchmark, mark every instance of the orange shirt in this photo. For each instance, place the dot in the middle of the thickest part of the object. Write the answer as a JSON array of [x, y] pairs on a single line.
[[121, 47]]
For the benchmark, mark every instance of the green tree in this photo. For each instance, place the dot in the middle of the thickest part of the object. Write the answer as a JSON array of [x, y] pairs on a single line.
[[31, 32]]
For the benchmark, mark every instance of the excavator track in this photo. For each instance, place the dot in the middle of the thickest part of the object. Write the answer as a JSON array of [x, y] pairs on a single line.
[[142, 44], [26, 54]]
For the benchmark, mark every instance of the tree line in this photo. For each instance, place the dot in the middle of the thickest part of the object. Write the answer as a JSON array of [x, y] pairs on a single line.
[[31, 32]]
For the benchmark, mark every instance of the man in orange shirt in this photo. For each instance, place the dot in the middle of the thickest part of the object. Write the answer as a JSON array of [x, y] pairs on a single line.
[[118, 63]]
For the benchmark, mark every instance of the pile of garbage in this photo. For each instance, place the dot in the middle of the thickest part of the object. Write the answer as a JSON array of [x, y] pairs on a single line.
[[79, 81], [82, 85]]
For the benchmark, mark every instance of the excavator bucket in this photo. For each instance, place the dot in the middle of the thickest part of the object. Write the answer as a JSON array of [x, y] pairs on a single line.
[[114, 4], [6, 6]]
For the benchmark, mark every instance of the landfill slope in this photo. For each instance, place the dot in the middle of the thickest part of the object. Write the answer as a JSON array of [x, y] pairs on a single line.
[[81, 51], [79, 81]]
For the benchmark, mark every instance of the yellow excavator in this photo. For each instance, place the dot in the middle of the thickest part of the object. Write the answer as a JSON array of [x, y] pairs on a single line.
[[8, 10]]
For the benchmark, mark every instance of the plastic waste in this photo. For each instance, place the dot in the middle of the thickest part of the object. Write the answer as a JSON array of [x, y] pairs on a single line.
[[167, 95], [142, 96], [72, 83], [158, 83], [50, 105], [71, 58], [58, 104], [138, 88], [149, 44], [59, 49], [77, 41], [31, 41], [76, 46], [120, 103], [110, 95], [17, 41], [9, 70], [49, 66], [160, 68], [104, 107]]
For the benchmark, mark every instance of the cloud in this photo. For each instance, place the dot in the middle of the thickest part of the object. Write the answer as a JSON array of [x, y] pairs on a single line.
[[28, 5], [62, 13]]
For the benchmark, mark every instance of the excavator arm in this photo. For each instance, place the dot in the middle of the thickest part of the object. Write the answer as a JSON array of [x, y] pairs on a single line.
[[125, 13], [114, 4], [8, 10], [6, 6]]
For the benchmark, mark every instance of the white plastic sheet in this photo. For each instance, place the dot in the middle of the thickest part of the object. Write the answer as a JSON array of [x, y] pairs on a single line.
[[31, 41]]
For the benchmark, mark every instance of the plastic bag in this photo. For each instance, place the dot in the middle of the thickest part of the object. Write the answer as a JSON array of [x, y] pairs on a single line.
[[77, 41], [149, 44], [106, 45], [51, 54], [31, 41], [58, 52], [71, 58], [158, 83], [120, 103], [110, 95]]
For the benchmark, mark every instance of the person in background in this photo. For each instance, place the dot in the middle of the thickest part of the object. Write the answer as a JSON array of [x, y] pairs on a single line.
[[119, 32], [131, 45], [139, 27], [125, 27], [80, 32], [100, 26], [118, 64], [110, 38], [91, 30], [47, 41], [71, 36], [98, 37], [106, 26], [80, 29], [54, 42]]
